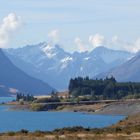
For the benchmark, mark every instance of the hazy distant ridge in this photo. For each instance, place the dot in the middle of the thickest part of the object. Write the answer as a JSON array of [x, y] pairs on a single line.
[[129, 71], [50, 63], [12, 77]]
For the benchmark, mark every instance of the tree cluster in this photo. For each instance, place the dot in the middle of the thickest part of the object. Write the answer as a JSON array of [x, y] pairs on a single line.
[[23, 97], [107, 88]]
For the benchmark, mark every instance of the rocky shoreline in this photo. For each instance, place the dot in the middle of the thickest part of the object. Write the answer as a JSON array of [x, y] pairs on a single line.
[[127, 129], [125, 107]]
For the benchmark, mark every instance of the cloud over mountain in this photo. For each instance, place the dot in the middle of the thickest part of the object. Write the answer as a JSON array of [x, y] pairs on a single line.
[[97, 40], [54, 35], [131, 46], [8, 28], [79, 43]]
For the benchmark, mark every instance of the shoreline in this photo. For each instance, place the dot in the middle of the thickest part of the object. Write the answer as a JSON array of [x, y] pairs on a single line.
[[128, 128], [123, 130], [125, 108]]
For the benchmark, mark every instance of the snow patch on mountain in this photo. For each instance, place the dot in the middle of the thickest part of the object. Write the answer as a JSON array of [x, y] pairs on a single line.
[[50, 51], [87, 58], [66, 59], [81, 68], [50, 63], [65, 62]]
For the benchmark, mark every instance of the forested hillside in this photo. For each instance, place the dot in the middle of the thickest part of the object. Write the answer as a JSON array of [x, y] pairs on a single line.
[[107, 88]]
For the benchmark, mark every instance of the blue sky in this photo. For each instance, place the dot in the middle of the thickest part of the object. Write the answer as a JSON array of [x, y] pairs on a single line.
[[76, 19]]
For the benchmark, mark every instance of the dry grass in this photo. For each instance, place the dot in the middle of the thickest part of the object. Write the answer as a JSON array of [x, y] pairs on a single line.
[[133, 136]]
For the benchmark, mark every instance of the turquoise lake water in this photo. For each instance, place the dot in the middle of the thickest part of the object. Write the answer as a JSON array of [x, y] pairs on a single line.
[[17, 120], [6, 99]]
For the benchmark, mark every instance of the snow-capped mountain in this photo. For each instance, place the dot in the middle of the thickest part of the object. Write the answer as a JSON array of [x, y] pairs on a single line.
[[50, 63]]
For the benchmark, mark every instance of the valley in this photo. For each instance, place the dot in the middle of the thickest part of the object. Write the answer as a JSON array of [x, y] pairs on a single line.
[[69, 70], [53, 65]]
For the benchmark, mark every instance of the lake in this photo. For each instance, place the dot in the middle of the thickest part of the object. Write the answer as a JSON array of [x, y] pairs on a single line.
[[17, 120], [6, 99]]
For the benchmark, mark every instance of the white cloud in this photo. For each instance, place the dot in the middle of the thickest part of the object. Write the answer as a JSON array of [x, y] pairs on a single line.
[[131, 46], [79, 43], [96, 40], [13, 90], [8, 28], [136, 45], [117, 43], [54, 35]]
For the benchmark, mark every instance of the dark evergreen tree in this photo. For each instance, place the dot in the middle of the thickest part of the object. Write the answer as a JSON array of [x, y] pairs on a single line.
[[107, 88]]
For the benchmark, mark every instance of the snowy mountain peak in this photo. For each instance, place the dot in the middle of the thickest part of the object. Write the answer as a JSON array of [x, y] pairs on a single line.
[[59, 66], [53, 51], [49, 50]]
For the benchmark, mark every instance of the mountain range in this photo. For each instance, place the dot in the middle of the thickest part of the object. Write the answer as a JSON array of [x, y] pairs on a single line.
[[51, 64], [13, 80], [128, 71]]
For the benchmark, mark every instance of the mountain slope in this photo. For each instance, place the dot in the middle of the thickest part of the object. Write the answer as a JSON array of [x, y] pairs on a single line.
[[13, 78], [110, 56], [50, 63], [129, 71]]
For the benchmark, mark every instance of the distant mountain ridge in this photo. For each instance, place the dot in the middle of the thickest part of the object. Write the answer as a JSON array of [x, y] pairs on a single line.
[[50, 63], [12, 79], [129, 71]]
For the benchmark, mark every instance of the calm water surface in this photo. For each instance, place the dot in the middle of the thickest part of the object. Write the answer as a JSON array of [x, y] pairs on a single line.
[[6, 99], [17, 120]]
